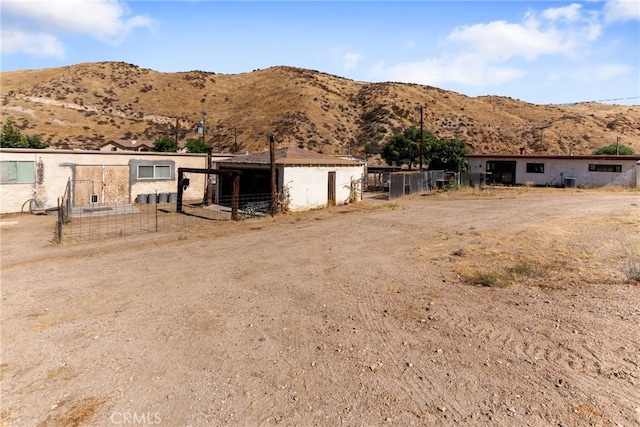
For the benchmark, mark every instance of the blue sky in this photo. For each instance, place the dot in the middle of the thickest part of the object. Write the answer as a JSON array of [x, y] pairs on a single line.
[[541, 52]]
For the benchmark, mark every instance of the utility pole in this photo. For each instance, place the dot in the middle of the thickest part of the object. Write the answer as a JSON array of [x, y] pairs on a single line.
[[618, 146], [421, 139], [209, 183], [177, 129]]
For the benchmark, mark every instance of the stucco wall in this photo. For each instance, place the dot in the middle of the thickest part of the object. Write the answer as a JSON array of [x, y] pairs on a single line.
[[308, 185], [56, 167], [556, 170]]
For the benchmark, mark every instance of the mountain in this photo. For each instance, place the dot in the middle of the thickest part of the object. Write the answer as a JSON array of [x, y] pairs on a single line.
[[89, 104]]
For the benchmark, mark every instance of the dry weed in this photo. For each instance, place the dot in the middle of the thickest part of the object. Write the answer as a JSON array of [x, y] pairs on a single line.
[[631, 262]]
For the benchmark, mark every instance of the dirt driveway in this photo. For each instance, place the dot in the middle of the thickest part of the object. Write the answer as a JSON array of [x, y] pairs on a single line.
[[503, 307]]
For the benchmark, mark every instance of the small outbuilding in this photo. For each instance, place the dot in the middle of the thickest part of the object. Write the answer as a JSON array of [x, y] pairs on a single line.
[[307, 179], [558, 170]]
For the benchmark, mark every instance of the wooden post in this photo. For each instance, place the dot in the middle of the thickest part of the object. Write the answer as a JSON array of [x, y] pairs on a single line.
[[235, 193], [179, 199], [272, 155], [209, 183], [421, 139]]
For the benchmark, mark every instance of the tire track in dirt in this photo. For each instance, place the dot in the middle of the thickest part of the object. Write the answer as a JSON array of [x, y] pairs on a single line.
[[571, 362], [425, 396]]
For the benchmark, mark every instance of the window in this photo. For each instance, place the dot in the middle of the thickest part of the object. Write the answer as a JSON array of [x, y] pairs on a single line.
[[605, 168], [154, 172], [535, 167], [13, 172]]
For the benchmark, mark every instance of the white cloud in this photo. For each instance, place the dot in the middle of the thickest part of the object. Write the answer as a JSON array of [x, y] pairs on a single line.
[[469, 69], [347, 60], [480, 54], [350, 60], [609, 71], [105, 20], [621, 11], [31, 43], [569, 13], [500, 40]]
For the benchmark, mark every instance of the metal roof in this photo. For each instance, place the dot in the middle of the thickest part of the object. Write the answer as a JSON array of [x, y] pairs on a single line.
[[552, 156], [292, 157]]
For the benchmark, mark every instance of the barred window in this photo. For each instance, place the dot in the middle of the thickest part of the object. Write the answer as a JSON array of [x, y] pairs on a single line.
[[604, 168]]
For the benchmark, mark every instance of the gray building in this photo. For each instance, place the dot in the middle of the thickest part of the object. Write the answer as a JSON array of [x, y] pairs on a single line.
[[557, 170]]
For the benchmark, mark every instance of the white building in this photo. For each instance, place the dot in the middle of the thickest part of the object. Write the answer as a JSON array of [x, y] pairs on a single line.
[[104, 177], [311, 180], [557, 171], [127, 145]]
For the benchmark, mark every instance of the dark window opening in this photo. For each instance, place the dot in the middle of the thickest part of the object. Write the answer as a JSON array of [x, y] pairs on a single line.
[[605, 168], [535, 167], [501, 172]]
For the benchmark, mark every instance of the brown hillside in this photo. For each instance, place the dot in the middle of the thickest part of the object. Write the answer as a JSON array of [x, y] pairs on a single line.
[[86, 105]]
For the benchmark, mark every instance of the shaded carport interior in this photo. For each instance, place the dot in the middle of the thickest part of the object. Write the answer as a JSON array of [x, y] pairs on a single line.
[[254, 181]]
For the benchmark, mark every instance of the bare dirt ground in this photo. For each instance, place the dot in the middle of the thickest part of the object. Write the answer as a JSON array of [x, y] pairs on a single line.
[[503, 307]]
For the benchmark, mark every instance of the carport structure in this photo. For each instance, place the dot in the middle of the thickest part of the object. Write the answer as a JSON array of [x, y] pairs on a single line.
[[183, 183], [304, 179]]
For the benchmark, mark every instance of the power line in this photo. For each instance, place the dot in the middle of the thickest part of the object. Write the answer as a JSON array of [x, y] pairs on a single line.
[[602, 100]]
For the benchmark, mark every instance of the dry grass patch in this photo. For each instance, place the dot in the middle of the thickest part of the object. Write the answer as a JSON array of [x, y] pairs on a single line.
[[71, 413], [630, 262], [552, 257]]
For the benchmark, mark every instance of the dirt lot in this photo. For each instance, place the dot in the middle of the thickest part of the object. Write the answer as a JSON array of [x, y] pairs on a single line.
[[502, 307]]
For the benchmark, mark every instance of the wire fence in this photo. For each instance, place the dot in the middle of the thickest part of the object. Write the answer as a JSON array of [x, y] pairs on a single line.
[[405, 183], [102, 221]]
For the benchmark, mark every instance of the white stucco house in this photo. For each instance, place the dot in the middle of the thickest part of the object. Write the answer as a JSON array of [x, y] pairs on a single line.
[[557, 170], [311, 180], [104, 177], [127, 145]]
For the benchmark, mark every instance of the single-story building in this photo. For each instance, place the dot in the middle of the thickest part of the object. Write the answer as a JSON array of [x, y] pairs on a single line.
[[557, 170], [309, 179], [104, 177]]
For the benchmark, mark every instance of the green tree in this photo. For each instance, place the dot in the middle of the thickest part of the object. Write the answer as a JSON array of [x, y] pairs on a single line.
[[197, 145], [614, 149], [35, 141], [403, 149], [11, 137], [446, 154], [165, 144]]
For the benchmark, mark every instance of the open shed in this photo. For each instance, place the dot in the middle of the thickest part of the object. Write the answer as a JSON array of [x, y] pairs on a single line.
[[307, 179]]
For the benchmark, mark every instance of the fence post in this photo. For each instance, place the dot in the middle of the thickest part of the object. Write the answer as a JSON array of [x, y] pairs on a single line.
[[235, 193], [156, 209], [59, 224]]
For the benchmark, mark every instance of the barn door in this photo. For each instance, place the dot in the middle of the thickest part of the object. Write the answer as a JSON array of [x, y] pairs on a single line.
[[331, 189]]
